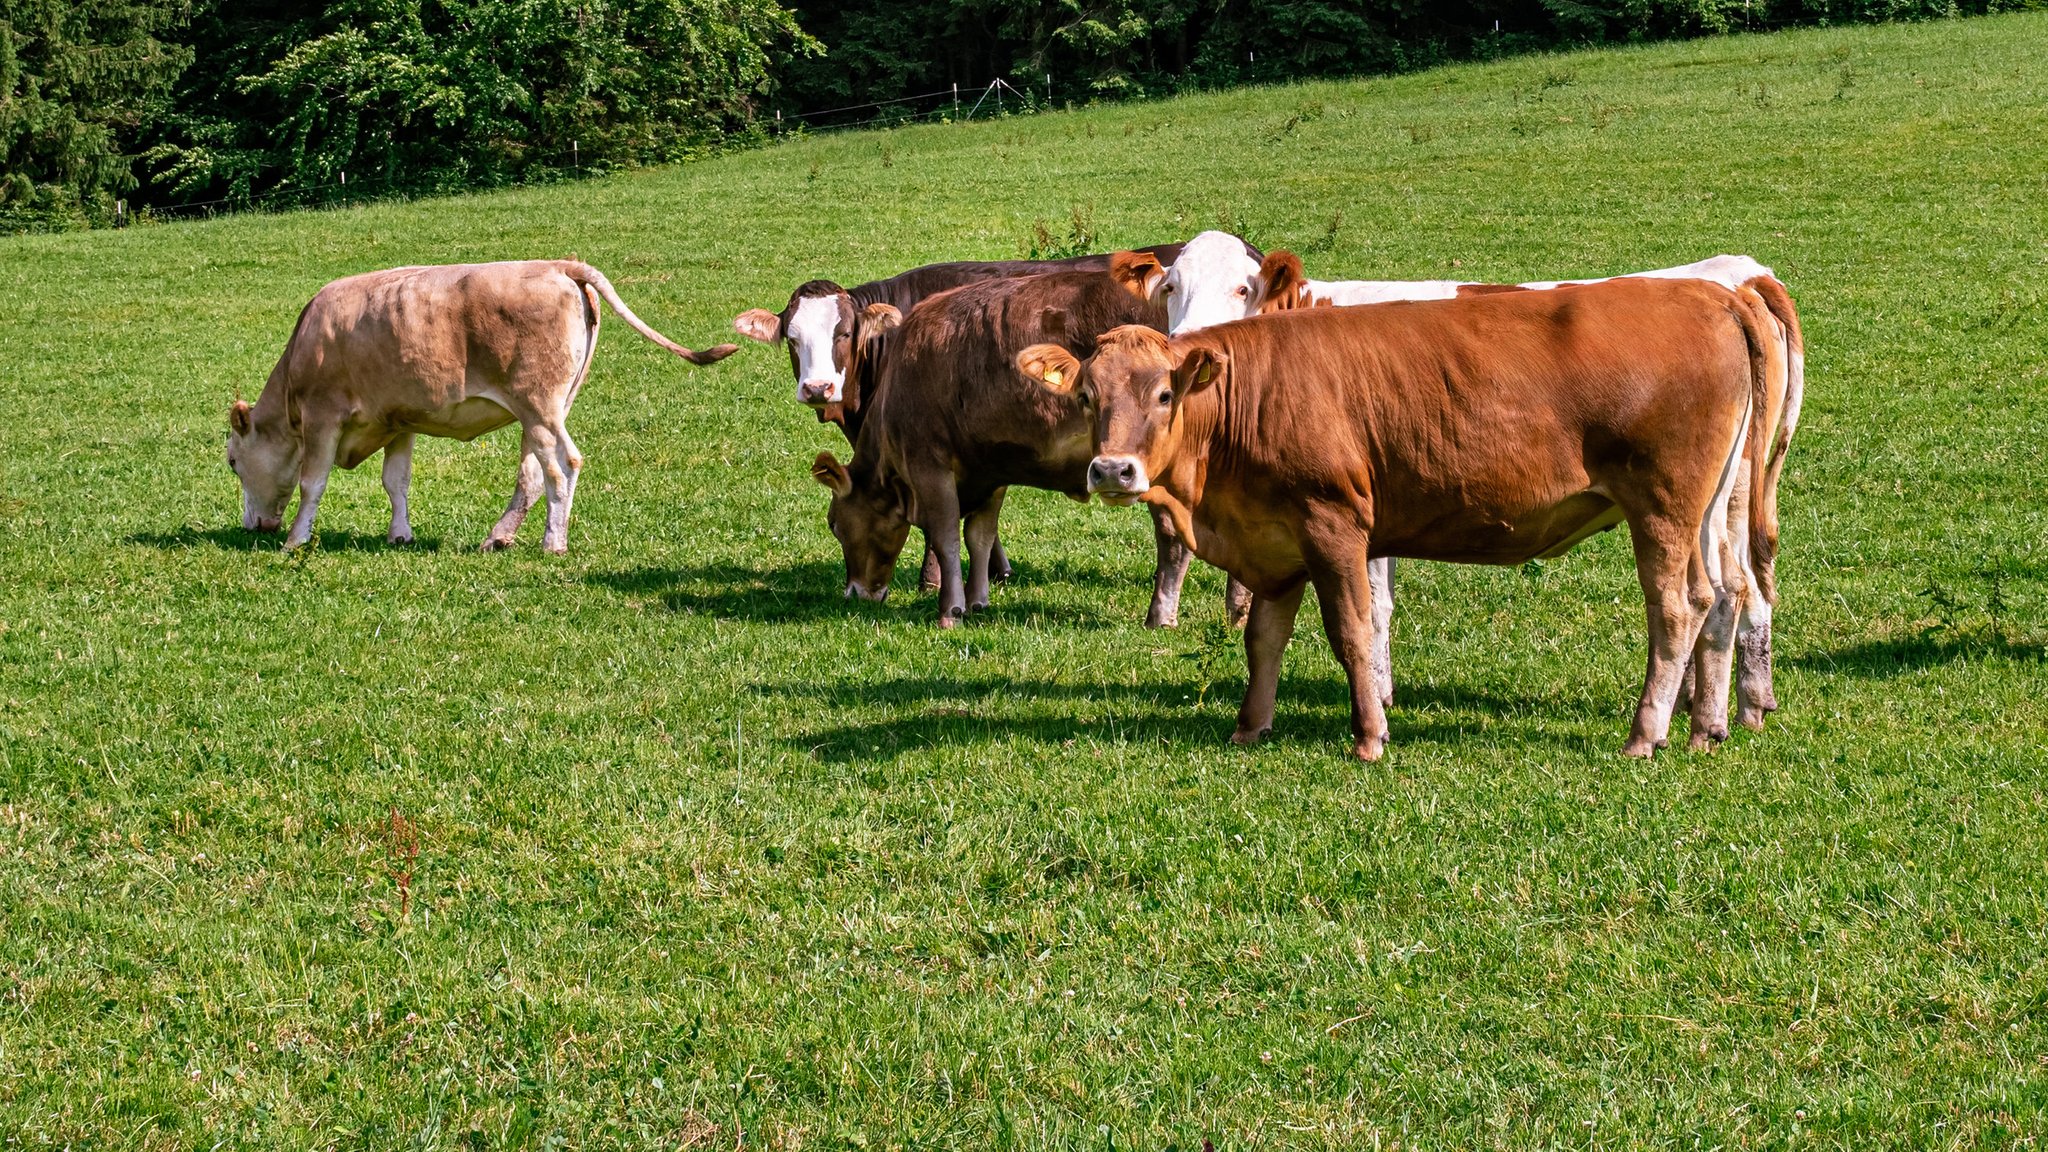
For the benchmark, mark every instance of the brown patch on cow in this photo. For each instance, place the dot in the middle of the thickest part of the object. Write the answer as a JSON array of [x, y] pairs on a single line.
[[758, 324], [1282, 282], [1139, 273]]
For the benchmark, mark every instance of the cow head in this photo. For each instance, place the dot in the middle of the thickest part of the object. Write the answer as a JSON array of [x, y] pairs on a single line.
[[1132, 389], [1216, 278], [825, 335], [264, 455], [870, 518]]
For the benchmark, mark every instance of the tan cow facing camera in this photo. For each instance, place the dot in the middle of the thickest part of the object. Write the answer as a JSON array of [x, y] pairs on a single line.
[[1295, 448], [450, 350]]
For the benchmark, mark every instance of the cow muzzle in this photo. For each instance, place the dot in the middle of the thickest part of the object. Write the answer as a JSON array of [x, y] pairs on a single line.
[[817, 392], [1118, 479], [853, 589]]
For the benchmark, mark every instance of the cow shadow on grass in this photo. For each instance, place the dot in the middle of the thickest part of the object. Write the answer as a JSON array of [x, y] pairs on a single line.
[[1315, 710], [1904, 655], [243, 540], [814, 590]]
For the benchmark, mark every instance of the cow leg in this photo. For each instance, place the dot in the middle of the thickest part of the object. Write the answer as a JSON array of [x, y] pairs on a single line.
[[1270, 626], [1676, 597], [560, 467], [999, 563], [1726, 548], [1713, 657], [524, 493], [1169, 571], [314, 465], [1343, 580], [981, 542], [1753, 695], [928, 575], [939, 503], [1382, 572], [1237, 602], [397, 480]]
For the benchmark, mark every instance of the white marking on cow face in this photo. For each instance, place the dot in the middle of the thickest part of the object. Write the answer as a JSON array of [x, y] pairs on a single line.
[[813, 333], [1213, 281]]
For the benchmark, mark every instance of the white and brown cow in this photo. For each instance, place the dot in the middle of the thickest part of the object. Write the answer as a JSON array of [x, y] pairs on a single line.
[[450, 350], [1293, 448], [1214, 280]]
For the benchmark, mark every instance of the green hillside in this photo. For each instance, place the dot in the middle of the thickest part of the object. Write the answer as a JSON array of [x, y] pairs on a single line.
[[665, 845]]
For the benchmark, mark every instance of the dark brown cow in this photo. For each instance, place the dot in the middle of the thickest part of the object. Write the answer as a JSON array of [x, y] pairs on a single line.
[[1292, 448], [836, 345], [953, 426]]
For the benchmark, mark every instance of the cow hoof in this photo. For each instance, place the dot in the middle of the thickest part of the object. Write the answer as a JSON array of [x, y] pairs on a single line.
[[1000, 575], [1247, 736], [1162, 619], [1639, 748], [1368, 750], [555, 549], [1752, 718], [495, 544], [406, 539], [981, 606]]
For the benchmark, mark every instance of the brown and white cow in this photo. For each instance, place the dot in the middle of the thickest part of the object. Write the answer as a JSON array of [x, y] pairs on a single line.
[[954, 425], [446, 350], [1293, 448], [1214, 280]]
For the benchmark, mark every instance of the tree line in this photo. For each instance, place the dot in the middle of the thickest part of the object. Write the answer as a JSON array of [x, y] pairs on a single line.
[[279, 103]]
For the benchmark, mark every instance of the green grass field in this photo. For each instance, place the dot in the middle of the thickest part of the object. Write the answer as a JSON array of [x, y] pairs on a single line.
[[664, 845]]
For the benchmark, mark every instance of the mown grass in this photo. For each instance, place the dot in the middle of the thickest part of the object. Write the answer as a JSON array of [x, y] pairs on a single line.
[[664, 845]]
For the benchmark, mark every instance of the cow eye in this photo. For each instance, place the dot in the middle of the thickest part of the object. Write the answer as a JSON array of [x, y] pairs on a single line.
[[1243, 291], [1087, 399], [234, 467], [1165, 397], [1167, 290]]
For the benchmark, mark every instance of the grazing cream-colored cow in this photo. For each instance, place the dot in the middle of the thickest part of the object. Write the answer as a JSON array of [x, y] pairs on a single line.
[[443, 350]]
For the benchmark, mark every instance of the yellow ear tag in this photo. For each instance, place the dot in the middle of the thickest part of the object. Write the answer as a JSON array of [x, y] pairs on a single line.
[[1055, 377]]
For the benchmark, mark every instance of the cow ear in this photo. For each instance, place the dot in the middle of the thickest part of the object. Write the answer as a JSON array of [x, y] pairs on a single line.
[[827, 470], [1138, 272], [239, 420], [1283, 285], [1198, 369], [877, 320], [1050, 365], [758, 324]]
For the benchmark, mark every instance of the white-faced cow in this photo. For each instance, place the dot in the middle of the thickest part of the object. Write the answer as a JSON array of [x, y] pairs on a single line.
[[1293, 448], [451, 350], [1215, 280]]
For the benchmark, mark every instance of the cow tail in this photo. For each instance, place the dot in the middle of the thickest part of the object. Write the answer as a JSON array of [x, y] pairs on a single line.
[[595, 318], [1792, 348], [1767, 391], [589, 277]]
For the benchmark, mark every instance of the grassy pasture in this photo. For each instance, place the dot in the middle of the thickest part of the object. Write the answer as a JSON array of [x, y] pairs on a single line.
[[664, 845]]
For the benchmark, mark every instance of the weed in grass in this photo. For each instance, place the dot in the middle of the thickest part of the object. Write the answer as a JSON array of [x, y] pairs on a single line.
[[1326, 240], [1078, 240]]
